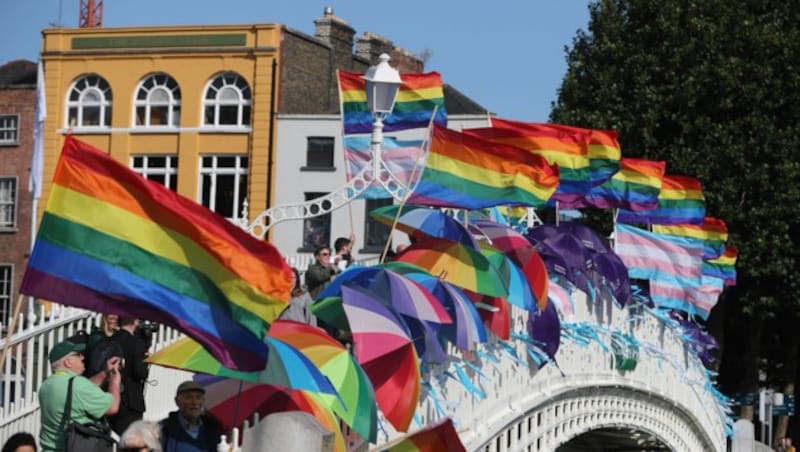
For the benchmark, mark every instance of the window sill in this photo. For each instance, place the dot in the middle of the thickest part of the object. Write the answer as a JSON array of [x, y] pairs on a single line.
[[8, 230], [225, 129], [88, 130], [9, 143], [156, 130], [319, 169]]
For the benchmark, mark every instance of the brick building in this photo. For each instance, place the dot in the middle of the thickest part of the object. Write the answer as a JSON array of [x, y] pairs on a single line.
[[17, 105]]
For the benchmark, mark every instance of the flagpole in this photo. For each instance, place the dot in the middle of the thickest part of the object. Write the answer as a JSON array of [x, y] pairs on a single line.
[[344, 149], [409, 189]]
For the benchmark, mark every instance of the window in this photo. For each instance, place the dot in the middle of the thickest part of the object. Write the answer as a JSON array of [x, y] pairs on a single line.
[[319, 153], [316, 230], [159, 168], [6, 279], [8, 202], [376, 234], [223, 184], [227, 101], [9, 129], [158, 102], [89, 103]]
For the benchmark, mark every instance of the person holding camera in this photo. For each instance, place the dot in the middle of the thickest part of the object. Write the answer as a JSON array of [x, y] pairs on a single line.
[[134, 375], [89, 402]]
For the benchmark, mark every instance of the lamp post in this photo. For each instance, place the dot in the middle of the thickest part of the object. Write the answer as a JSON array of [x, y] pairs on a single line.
[[383, 82]]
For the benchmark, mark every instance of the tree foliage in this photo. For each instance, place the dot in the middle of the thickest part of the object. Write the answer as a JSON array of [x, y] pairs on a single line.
[[713, 88]]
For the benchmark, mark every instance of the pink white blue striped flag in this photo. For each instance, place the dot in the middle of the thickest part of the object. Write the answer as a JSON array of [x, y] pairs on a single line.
[[561, 299], [696, 300], [399, 156], [653, 256]]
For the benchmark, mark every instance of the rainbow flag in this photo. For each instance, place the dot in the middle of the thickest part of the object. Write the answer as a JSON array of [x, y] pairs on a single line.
[[567, 150], [419, 96], [681, 201], [713, 232], [437, 437], [465, 172], [635, 186], [111, 241], [603, 150], [723, 267], [400, 156]]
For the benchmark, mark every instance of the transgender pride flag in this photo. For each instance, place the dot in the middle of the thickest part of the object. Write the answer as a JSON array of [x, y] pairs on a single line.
[[561, 299], [653, 256], [399, 156]]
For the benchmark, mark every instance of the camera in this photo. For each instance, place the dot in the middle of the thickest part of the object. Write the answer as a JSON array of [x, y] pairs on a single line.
[[146, 332]]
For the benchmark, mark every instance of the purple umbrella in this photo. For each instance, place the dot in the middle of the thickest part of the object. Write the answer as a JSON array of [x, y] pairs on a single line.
[[588, 237], [613, 273], [540, 233], [565, 253], [545, 328]]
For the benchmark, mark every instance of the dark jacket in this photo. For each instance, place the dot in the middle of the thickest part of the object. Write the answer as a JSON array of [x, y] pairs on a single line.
[[317, 277], [175, 439], [134, 372]]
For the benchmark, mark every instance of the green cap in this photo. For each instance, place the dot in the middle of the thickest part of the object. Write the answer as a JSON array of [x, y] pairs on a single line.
[[190, 386], [63, 349]]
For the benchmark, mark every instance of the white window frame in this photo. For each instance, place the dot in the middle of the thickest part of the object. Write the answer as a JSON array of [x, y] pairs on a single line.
[[9, 124], [227, 81], [146, 170], [160, 83], [213, 171], [94, 84], [6, 290], [5, 183]]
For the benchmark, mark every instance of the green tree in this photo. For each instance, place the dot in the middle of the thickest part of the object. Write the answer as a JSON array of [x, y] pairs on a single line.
[[713, 88]]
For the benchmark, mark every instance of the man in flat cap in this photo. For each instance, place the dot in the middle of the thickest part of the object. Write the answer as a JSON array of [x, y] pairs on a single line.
[[89, 402], [190, 429]]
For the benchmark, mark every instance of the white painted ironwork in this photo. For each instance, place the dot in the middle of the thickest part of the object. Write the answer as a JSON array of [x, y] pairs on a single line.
[[330, 202]]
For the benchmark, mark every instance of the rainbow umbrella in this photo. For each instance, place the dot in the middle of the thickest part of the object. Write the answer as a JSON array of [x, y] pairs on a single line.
[[440, 436], [384, 349], [418, 220], [286, 366], [336, 363], [519, 291], [467, 328], [230, 400], [516, 246], [460, 265]]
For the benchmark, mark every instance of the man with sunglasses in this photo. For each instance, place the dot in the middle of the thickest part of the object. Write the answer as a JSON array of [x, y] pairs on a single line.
[[321, 272], [89, 402]]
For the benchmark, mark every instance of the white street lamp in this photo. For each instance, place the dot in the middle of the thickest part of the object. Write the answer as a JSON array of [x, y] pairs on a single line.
[[383, 82]]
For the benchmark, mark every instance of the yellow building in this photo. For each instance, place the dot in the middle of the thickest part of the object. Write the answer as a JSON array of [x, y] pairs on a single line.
[[191, 107]]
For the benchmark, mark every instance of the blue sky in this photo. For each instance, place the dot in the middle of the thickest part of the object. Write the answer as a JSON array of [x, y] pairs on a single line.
[[509, 55]]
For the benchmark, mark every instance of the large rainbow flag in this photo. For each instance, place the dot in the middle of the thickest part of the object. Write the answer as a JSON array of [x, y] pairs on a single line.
[[113, 242], [567, 150], [419, 96], [723, 267], [681, 201], [466, 172], [635, 186]]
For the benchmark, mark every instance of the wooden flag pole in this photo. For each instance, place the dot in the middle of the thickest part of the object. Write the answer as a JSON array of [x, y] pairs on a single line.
[[11, 330]]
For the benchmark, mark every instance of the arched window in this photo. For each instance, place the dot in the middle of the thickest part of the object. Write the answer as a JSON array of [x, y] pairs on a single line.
[[89, 102], [158, 102], [227, 101]]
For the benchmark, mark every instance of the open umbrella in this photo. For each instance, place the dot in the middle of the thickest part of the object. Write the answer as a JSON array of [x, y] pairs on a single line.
[[495, 313], [467, 328], [232, 401], [521, 251], [545, 328], [417, 221], [562, 301], [356, 401], [458, 264], [384, 349], [441, 436], [286, 366], [519, 291], [612, 272]]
